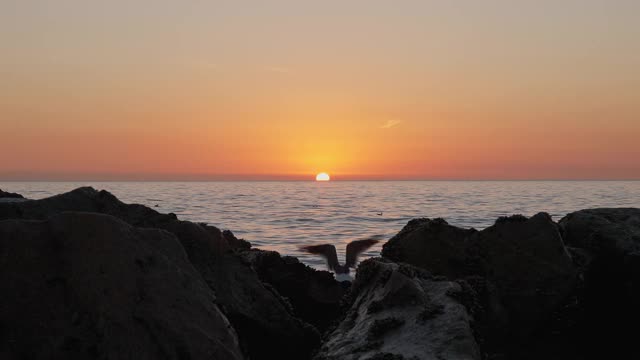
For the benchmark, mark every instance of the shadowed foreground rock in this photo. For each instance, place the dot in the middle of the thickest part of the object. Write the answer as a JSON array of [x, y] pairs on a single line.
[[402, 312], [605, 232], [264, 321], [80, 286], [315, 295], [117, 281], [4, 194], [9, 197], [519, 268], [608, 241]]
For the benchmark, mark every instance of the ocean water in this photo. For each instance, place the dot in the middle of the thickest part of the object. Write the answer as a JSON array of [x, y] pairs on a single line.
[[283, 216]]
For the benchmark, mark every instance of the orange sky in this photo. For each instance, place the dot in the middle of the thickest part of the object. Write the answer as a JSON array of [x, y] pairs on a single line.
[[361, 90]]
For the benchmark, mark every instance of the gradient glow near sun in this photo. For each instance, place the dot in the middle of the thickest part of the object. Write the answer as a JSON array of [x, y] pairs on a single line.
[[323, 177]]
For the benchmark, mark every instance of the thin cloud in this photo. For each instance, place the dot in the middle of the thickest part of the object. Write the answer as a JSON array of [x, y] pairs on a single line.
[[390, 124]]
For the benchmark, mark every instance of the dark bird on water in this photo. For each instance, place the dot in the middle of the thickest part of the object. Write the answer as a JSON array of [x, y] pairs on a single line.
[[328, 251]]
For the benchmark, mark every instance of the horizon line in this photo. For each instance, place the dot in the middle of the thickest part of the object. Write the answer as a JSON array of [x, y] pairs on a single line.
[[313, 180], [160, 177]]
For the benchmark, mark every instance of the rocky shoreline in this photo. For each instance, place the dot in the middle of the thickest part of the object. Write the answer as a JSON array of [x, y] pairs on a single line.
[[84, 275]]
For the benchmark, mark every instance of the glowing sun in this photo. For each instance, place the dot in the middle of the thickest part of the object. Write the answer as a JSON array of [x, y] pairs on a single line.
[[323, 177]]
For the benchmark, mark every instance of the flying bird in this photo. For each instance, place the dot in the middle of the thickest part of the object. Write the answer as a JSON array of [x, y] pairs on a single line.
[[328, 251]]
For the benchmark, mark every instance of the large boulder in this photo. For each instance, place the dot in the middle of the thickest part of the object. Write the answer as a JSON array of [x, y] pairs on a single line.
[[530, 267], [604, 231], [435, 245], [315, 295], [85, 285], [402, 312], [518, 267], [264, 321], [233, 241], [608, 241], [5, 194], [9, 197]]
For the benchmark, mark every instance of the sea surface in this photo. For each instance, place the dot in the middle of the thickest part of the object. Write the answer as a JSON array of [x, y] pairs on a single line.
[[283, 216]]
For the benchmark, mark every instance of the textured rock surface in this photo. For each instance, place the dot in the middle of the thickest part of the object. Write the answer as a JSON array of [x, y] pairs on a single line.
[[265, 323], [607, 242], [603, 231], [5, 194], [143, 285], [233, 241], [519, 267], [83, 285], [315, 295], [530, 267], [437, 246], [402, 312]]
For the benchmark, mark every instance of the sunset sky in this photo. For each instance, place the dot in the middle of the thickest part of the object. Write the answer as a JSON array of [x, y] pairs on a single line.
[[196, 90]]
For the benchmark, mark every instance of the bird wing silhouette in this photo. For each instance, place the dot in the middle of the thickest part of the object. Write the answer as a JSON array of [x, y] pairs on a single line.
[[327, 251], [356, 247]]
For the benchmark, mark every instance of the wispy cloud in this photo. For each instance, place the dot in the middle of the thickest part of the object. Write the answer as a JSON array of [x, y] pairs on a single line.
[[390, 124]]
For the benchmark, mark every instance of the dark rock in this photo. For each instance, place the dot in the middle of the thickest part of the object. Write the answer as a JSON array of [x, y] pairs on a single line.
[[436, 246], [264, 320], [315, 295], [530, 267], [400, 312], [4, 194], [82, 285], [603, 231], [606, 245], [266, 326], [7, 197], [519, 268], [234, 242]]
